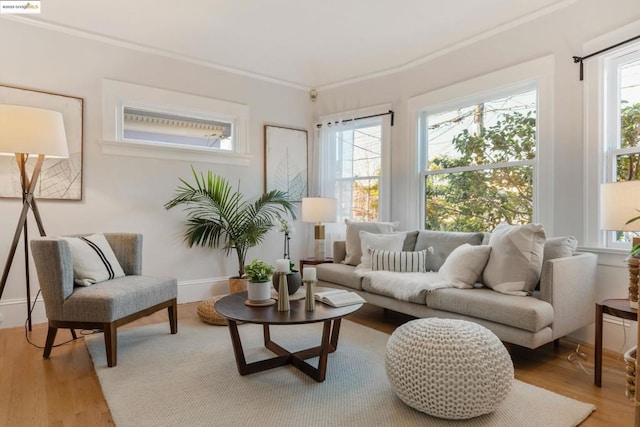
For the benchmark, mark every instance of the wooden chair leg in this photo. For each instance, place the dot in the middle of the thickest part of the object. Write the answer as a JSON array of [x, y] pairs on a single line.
[[111, 343], [51, 337], [173, 316]]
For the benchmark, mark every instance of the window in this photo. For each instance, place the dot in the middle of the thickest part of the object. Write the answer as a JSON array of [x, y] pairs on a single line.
[[140, 121], [354, 166], [622, 124], [480, 162], [484, 151], [144, 125]]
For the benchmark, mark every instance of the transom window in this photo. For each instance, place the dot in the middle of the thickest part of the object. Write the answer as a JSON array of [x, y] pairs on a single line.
[[145, 125], [143, 121], [479, 161]]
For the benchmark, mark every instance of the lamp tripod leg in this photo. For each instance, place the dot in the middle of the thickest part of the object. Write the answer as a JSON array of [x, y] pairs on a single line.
[[28, 201]]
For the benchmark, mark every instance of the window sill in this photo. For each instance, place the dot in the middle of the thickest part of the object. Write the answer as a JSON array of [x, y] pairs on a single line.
[[167, 152], [608, 256]]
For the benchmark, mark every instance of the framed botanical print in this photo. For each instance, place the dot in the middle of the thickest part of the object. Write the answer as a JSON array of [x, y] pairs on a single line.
[[60, 179], [285, 161]]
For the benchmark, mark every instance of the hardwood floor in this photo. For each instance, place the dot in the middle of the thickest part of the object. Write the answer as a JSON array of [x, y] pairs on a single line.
[[64, 390]]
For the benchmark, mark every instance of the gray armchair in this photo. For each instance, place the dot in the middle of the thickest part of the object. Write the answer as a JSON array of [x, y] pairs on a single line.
[[106, 305]]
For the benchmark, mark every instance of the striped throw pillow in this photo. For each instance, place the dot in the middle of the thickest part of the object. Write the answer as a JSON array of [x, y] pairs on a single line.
[[93, 260], [407, 262]]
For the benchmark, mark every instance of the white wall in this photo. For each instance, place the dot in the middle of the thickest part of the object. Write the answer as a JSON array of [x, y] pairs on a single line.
[[560, 34], [127, 193]]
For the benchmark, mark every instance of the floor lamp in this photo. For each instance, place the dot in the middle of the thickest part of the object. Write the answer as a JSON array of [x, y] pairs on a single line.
[[24, 132]]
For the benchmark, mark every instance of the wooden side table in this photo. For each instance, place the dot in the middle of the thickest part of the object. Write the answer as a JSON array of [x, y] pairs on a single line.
[[614, 307], [313, 261]]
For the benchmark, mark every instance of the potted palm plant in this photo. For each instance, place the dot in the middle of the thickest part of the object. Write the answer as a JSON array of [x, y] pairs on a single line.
[[219, 216]]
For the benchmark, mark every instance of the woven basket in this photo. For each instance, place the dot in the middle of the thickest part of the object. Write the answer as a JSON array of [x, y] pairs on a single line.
[[208, 314], [630, 363]]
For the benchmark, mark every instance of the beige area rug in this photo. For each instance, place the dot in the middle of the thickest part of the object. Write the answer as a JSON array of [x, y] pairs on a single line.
[[190, 379]]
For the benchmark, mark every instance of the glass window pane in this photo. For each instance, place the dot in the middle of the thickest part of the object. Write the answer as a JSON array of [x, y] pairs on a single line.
[[358, 167], [630, 104], [479, 200], [365, 200], [143, 125], [627, 167], [498, 130]]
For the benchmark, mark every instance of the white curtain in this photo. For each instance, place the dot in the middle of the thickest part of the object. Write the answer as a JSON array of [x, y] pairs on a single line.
[[335, 155]]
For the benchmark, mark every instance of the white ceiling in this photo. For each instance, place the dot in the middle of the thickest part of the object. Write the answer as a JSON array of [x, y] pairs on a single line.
[[302, 43]]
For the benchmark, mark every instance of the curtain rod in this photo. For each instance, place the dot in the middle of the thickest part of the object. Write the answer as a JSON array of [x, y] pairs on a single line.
[[579, 59], [319, 125]]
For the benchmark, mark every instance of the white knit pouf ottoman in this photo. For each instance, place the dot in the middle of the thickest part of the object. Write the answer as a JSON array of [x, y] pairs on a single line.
[[448, 368]]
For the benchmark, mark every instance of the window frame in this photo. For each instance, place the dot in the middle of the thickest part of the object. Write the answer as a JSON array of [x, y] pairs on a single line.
[[612, 123], [117, 95], [537, 73], [384, 196]]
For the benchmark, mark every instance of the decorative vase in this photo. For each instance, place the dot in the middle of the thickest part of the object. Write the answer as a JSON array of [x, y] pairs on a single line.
[[259, 291], [294, 281], [237, 284]]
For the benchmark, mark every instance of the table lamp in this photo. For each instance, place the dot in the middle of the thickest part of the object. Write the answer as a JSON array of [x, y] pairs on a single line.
[[26, 131], [319, 210], [620, 202]]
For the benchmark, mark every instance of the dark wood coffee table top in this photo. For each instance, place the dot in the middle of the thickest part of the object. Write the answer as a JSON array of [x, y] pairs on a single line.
[[233, 307]]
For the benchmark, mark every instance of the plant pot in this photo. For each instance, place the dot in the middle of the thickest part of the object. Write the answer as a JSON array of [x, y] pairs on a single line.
[[259, 291], [294, 281], [237, 284]]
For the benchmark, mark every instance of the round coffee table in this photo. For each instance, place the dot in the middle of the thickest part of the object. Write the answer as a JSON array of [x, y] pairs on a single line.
[[233, 307]]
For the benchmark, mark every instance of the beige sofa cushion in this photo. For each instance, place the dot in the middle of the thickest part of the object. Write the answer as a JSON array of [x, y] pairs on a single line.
[[443, 243], [341, 274], [529, 313], [515, 262], [352, 241], [387, 242], [559, 247], [463, 267]]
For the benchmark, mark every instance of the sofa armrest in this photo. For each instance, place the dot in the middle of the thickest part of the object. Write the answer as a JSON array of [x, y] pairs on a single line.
[[339, 251], [569, 285]]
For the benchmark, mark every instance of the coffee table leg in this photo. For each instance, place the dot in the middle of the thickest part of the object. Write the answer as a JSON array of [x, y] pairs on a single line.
[[328, 344], [335, 334], [325, 348], [241, 362]]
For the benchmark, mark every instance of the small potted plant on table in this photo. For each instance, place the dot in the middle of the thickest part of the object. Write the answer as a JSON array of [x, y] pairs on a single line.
[[258, 274]]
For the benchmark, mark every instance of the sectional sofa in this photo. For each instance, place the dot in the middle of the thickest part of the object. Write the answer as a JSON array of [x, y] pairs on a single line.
[[560, 302]]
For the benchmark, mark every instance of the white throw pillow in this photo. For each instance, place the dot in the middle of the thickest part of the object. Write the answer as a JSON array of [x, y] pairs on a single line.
[[353, 245], [370, 241], [464, 265], [515, 262], [405, 261], [93, 260]]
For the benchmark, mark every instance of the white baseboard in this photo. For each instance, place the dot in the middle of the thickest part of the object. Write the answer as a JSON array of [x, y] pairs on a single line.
[[13, 313]]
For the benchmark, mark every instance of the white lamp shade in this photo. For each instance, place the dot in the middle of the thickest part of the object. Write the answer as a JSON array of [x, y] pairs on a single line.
[[33, 131], [319, 209], [619, 202]]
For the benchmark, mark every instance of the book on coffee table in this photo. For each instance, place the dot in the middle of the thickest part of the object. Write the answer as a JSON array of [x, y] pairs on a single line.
[[339, 298]]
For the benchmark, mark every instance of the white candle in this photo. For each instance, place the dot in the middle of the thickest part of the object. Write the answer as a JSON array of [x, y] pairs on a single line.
[[309, 274], [282, 266]]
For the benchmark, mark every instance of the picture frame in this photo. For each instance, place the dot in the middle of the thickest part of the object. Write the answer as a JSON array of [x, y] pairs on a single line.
[[60, 179], [285, 161]]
